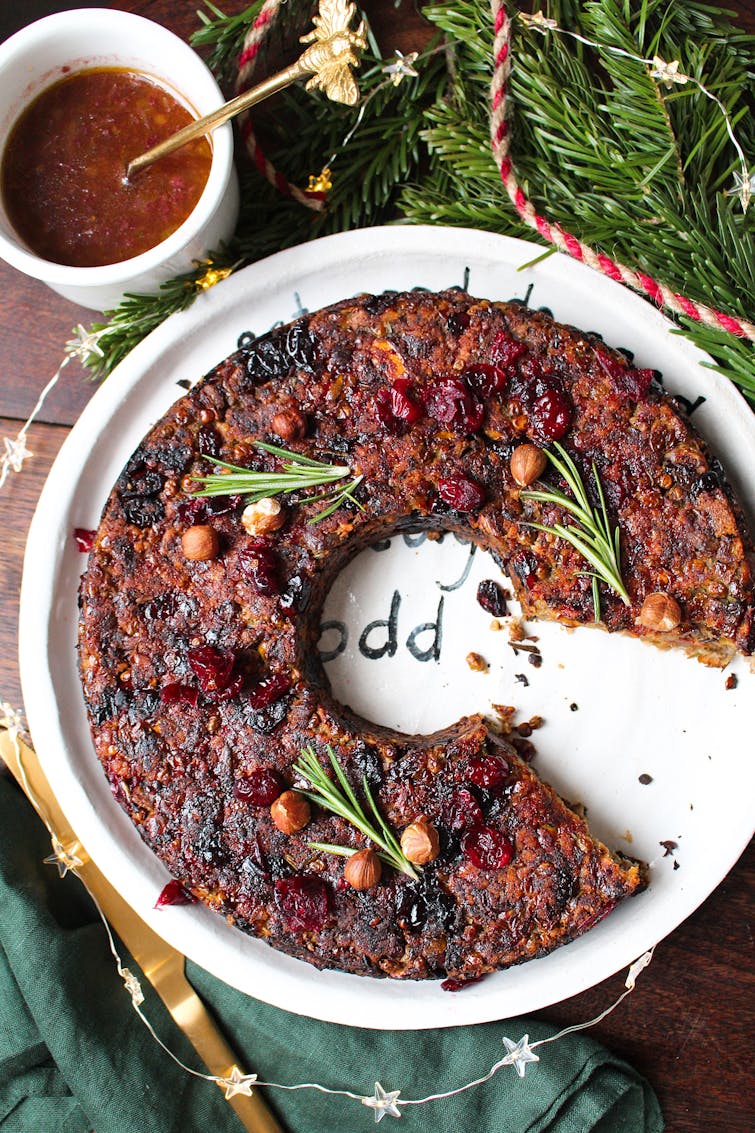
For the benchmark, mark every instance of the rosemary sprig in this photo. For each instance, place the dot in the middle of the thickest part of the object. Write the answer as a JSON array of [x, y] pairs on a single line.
[[339, 798], [298, 472], [592, 535]]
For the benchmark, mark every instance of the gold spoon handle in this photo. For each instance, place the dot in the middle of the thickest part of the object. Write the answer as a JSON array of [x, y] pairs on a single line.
[[217, 117]]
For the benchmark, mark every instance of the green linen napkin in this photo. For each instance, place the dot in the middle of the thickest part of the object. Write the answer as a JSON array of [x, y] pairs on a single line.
[[75, 1057]]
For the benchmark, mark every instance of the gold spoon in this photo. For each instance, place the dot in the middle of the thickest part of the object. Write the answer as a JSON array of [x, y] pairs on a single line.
[[334, 49]]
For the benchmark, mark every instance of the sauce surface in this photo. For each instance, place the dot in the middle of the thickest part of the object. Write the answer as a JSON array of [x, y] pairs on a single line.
[[63, 168]]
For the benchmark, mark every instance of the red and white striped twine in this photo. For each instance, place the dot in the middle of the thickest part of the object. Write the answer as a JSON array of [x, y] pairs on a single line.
[[658, 292], [247, 60]]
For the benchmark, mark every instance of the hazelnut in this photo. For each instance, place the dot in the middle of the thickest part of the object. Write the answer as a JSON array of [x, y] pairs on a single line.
[[363, 869], [660, 613], [200, 542], [419, 842], [290, 812], [528, 462], [264, 517], [289, 425]]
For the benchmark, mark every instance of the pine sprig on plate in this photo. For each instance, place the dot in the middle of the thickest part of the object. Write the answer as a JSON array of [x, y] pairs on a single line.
[[338, 797], [592, 535], [297, 473]]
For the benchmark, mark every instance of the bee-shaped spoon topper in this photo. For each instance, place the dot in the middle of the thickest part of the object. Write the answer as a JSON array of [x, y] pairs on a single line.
[[332, 52]]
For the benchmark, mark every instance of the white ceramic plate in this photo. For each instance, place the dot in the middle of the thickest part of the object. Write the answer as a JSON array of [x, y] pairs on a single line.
[[639, 711]]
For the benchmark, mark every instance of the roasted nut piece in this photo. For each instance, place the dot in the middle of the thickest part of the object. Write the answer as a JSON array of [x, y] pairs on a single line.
[[290, 812], [289, 425], [419, 842], [528, 462], [660, 613], [477, 663], [264, 517], [363, 869], [200, 542]]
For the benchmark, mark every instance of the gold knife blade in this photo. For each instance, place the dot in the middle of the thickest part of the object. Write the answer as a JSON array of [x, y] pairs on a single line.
[[162, 965]]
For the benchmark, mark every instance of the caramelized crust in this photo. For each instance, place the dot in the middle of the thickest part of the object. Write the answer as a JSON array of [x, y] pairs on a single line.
[[423, 395]]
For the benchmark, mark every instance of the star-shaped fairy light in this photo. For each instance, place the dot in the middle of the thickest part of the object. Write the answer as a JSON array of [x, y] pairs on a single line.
[[402, 67], [668, 73], [321, 182], [538, 20], [383, 1102], [85, 344], [10, 718], [237, 1083], [744, 188], [133, 987], [64, 859], [212, 276], [16, 452], [519, 1054]]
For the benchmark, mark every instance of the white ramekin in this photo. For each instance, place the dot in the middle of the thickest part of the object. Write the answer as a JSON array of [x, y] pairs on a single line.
[[98, 37]]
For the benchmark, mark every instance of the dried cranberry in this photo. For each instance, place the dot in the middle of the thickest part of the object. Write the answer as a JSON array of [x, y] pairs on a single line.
[[462, 810], [398, 406], [458, 322], [484, 379], [177, 693], [162, 606], [551, 415], [84, 538], [208, 441], [191, 511], [260, 564], [593, 919], [486, 847], [491, 597], [212, 667], [404, 403], [452, 984], [504, 351], [174, 893], [489, 771], [232, 689], [451, 403], [260, 788], [626, 381], [384, 413], [461, 493], [303, 902], [221, 505], [269, 689]]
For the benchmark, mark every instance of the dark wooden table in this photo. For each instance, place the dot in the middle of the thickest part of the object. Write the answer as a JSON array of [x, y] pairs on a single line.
[[689, 1025]]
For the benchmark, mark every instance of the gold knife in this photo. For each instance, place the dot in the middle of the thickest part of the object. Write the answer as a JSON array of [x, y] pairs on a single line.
[[162, 965]]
